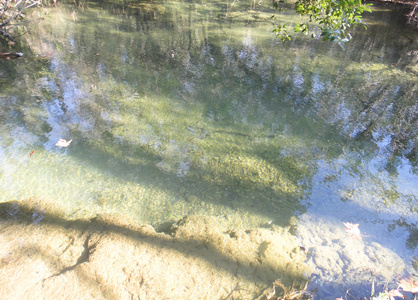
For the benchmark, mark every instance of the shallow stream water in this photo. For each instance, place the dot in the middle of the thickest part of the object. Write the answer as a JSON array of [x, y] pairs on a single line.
[[178, 108]]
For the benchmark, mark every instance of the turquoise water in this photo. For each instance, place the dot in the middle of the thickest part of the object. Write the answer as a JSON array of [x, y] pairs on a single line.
[[179, 108]]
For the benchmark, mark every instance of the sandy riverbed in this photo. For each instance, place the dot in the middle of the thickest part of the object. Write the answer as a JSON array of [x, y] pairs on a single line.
[[44, 256]]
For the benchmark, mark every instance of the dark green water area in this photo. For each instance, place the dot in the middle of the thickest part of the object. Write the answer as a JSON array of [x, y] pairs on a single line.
[[187, 107]]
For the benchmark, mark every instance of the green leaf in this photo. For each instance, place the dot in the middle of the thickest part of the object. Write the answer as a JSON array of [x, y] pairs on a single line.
[[333, 17]]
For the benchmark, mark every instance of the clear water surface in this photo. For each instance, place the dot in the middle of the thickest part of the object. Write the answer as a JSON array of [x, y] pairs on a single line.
[[179, 108]]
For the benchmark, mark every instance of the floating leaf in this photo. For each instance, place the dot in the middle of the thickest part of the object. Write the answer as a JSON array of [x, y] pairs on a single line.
[[63, 143], [353, 230], [395, 293], [408, 284]]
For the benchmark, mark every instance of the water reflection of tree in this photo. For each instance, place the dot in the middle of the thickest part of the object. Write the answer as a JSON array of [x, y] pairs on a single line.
[[188, 61], [173, 53], [385, 106]]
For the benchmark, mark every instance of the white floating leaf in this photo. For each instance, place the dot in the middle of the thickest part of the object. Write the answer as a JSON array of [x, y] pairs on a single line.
[[63, 143]]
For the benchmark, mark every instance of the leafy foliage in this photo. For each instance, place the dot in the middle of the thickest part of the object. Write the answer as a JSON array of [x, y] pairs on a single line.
[[333, 17]]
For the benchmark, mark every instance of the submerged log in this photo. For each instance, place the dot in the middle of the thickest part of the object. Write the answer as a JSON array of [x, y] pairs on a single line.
[[10, 55]]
